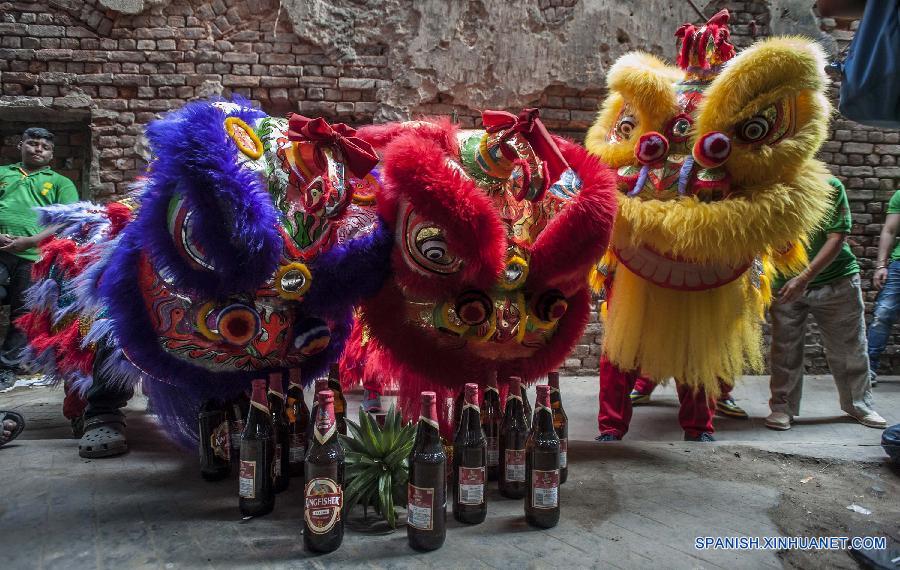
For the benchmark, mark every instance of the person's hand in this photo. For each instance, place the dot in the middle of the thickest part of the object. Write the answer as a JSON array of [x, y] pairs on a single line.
[[17, 244], [880, 278], [793, 289], [4, 239]]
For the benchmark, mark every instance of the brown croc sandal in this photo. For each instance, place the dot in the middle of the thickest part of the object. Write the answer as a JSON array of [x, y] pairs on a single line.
[[14, 433], [104, 436]]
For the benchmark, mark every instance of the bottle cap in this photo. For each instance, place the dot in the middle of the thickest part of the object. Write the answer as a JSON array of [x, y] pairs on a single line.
[[321, 384], [259, 394], [294, 377], [553, 380], [515, 385], [472, 394], [492, 380], [275, 386], [324, 426], [543, 396], [325, 397], [429, 409]]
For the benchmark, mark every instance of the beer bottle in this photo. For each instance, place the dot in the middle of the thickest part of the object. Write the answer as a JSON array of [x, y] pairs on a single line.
[[340, 404], [560, 424], [458, 404], [527, 405], [257, 496], [491, 418], [215, 441], [426, 525], [280, 477], [542, 465], [320, 385], [323, 493], [237, 411], [469, 463], [513, 434], [298, 422]]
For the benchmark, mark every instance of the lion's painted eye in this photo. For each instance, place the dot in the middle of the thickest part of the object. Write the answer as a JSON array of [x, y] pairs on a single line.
[[680, 127], [753, 129], [625, 127], [434, 249], [426, 250]]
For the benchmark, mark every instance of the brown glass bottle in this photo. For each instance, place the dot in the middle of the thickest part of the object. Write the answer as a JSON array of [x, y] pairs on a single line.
[[426, 525], [491, 420], [320, 385], [469, 462], [458, 404], [542, 465], [560, 424], [323, 491], [513, 434], [298, 422], [257, 496], [340, 404], [526, 405], [215, 441], [237, 410], [280, 477]]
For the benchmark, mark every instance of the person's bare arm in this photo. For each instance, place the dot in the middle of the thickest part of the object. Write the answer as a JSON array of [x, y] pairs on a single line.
[[17, 244], [847, 9], [885, 244], [794, 288]]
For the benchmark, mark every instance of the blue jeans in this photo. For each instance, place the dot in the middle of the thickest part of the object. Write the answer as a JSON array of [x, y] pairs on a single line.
[[887, 305]]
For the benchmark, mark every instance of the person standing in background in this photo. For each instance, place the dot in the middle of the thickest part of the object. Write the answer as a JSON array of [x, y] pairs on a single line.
[[887, 281]]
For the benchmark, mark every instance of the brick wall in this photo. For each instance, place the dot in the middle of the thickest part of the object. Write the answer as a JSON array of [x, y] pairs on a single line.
[[114, 72]]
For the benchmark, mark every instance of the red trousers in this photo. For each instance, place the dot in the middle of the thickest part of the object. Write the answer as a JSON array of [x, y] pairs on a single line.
[[646, 387], [695, 414]]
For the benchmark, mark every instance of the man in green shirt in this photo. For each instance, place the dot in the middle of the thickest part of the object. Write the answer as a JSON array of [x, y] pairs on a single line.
[[887, 281], [829, 289], [24, 186]]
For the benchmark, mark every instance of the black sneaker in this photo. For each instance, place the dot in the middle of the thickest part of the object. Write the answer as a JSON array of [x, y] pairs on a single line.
[[702, 436], [607, 437]]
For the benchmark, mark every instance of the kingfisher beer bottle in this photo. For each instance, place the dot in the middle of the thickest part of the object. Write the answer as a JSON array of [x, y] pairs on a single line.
[[215, 441], [280, 477], [491, 419], [526, 404], [426, 524], [513, 434], [340, 404], [560, 424], [257, 495], [237, 410], [323, 493], [320, 385], [297, 423], [469, 462], [542, 465]]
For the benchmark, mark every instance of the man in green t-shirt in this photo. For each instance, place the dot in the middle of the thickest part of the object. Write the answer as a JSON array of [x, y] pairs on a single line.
[[829, 289], [887, 281], [24, 186]]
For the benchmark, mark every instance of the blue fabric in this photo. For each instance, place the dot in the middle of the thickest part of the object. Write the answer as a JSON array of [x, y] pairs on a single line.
[[870, 88], [886, 308], [890, 441]]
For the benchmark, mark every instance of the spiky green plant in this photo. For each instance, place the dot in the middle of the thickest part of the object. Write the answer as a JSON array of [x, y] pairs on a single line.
[[376, 467]]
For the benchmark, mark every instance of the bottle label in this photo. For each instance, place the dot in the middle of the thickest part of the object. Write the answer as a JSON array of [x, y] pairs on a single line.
[[297, 450], [493, 451], [545, 489], [220, 441], [515, 465], [420, 507], [471, 485], [323, 502], [563, 452], [276, 462], [247, 479]]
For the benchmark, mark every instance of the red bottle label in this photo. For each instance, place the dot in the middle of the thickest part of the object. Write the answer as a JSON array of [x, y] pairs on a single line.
[[246, 488], [545, 489], [220, 441], [471, 485], [323, 501], [420, 508], [493, 451], [515, 465], [563, 452], [297, 451]]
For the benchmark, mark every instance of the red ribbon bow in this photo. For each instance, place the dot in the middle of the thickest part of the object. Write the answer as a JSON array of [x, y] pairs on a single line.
[[358, 154], [529, 125]]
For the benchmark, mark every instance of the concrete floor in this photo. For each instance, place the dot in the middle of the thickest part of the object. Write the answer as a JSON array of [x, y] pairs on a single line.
[[636, 504]]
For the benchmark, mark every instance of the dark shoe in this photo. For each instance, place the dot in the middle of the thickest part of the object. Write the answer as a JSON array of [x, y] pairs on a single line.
[[78, 427], [8, 378], [104, 436], [727, 407], [702, 436], [638, 399], [15, 430], [607, 437]]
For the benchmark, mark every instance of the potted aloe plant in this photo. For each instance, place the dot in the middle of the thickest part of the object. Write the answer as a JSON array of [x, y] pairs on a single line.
[[376, 467]]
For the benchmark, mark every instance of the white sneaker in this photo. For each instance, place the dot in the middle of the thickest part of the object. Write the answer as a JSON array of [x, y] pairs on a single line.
[[779, 420], [871, 419]]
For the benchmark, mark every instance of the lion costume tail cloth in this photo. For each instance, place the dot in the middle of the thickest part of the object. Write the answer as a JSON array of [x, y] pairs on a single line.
[[718, 189]]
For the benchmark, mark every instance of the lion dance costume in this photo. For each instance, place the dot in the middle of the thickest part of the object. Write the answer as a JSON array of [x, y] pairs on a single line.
[[243, 251], [717, 188]]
